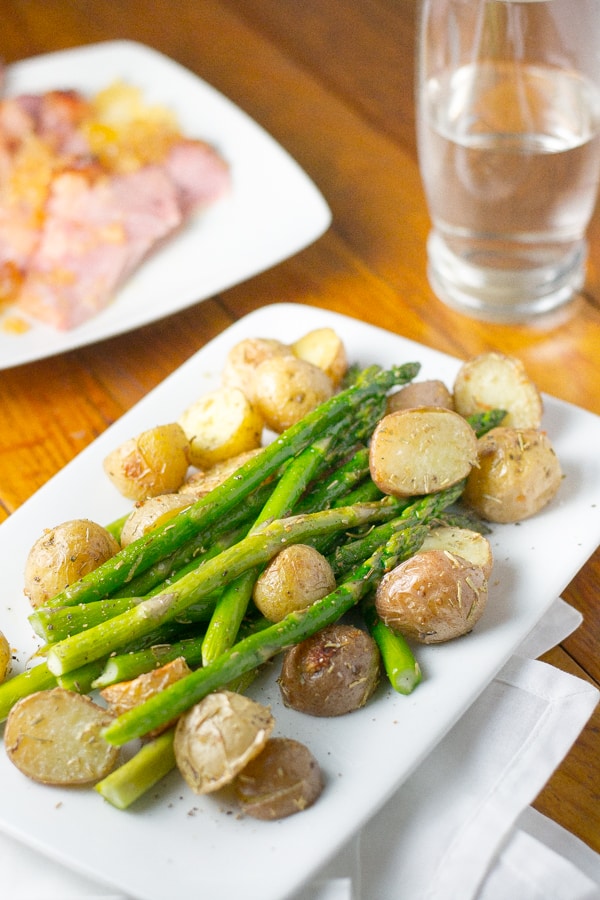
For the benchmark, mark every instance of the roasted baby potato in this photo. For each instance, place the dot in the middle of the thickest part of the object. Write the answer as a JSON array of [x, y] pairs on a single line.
[[124, 695], [283, 779], [293, 580], [221, 424], [217, 737], [324, 348], [471, 545], [286, 388], [420, 393], [5, 657], [432, 597], [203, 482], [244, 357], [332, 673], [151, 513], [63, 555], [517, 475], [55, 737], [421, 451], [496, 381], [154, 462]]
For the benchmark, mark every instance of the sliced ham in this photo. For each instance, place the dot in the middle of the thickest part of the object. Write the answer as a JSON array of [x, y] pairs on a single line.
[[76, 232]]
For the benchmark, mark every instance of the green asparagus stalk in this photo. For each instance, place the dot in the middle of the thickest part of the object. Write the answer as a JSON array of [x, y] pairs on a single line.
[[38, 678], [139, 774], [233, 603], [257, 548], [483, 422], [256, 649], [125, 666], [422, 509], [53, 624], [141, 554], [401, 667]]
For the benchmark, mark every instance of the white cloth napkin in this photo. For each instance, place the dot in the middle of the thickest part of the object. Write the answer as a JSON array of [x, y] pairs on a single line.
[[461, 828]]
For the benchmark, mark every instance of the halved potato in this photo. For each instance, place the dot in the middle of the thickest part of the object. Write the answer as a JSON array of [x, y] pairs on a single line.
[[496, 381], [154, 462], [285, 778], [421, 451], [324, 348], [124, 695], [64, 554], [217, 737], [204, 481], [221, 424], [151, 513], [517, 475], [55, 737], [471, 545]]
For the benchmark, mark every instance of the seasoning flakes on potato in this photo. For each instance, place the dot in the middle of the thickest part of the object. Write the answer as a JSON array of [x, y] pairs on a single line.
[[284, 779], [421, 450], [332, 673], [64, 554], [294, 579], [155, 462], [55, 737], [517, 475], [220, 425], [217, 737], [496, 381], [433, 596]]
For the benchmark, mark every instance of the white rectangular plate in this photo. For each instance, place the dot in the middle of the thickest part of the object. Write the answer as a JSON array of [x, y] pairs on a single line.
[[273, 211], [175, 844]]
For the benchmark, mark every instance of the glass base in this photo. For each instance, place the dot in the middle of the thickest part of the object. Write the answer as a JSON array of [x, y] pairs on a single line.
[[500, 295]]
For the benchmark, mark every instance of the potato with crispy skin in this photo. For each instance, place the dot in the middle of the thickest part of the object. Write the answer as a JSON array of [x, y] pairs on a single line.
[[217, 737], [284, 779], [421, 450], [63, 555], [465, 542], [496, 381], [286, 388], [55, 737], [331, 673], [432, 597], [244, 357], [294, 579], [151, 513], [517, 475], [124, 695], [220, 425], [154, 462]]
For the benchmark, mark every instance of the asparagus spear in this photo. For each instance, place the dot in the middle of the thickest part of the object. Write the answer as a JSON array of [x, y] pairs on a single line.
[[141, 554], [256, 649], [255, 549], [401, 667]]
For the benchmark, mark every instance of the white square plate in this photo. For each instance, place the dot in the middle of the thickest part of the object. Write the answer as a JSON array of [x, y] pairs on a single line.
[[273, 211], [174, 844]]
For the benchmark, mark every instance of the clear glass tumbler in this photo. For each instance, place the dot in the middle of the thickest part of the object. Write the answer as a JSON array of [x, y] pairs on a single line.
[[508, 113]]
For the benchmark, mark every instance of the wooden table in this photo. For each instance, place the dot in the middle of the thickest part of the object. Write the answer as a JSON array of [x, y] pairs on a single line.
[[332, 81]]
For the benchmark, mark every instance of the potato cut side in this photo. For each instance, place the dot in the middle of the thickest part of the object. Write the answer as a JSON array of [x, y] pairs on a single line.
[[496, 381], [217, 737], [324, 348], [5, 657], [421, 451], [221, 424], [471, 545], [55, 737]]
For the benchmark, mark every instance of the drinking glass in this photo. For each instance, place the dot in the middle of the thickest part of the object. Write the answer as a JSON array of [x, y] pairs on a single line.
[[508, 119]]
